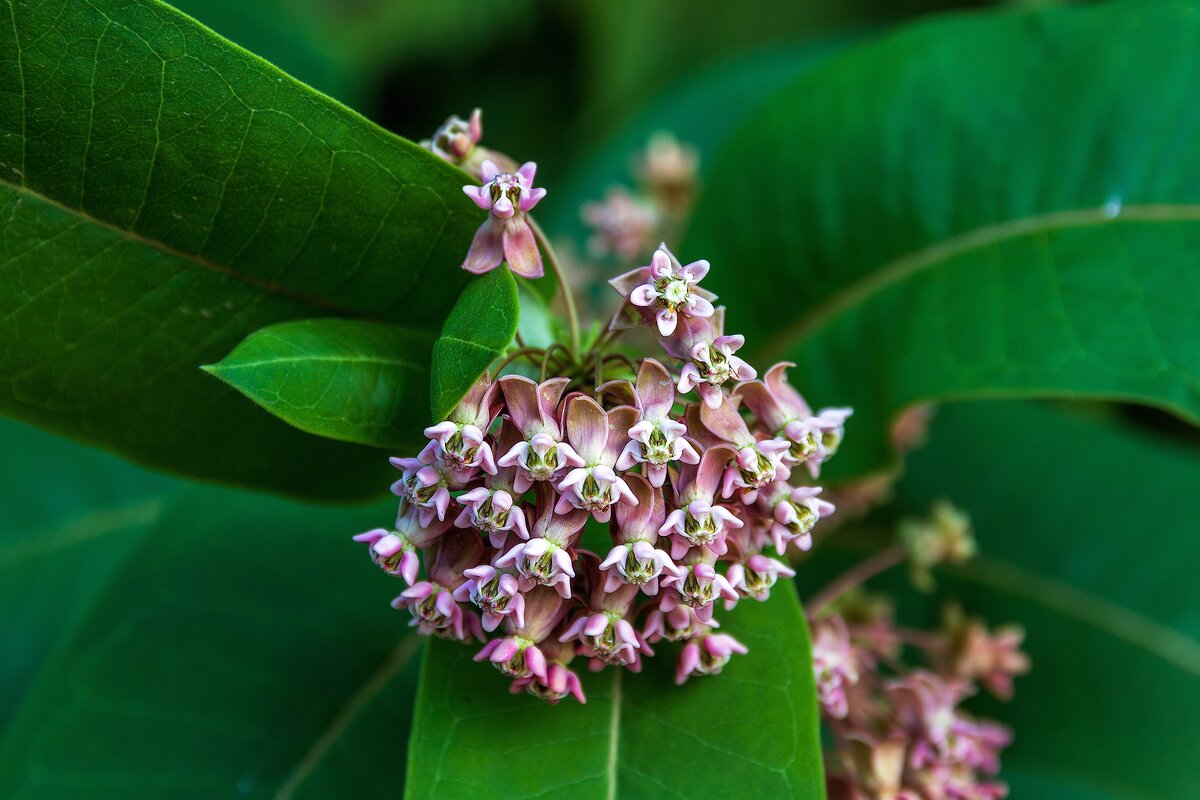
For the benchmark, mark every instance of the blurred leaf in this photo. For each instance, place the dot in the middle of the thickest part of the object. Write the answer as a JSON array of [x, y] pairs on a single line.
[[1087, 537], [352, 381], [164, 194], [479, 327], [638, 736], [927, 217], [70, 515], [239, 651]]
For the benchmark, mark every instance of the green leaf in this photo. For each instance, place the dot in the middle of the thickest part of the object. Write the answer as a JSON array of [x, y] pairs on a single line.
[[479, 328], [1087, 536], [638, 736], [995, 205], [70, 516], [245, 648], [353, 381], [163, 194]]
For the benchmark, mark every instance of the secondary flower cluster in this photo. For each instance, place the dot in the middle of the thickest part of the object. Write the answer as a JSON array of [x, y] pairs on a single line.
[[901, 732], [695, 496]]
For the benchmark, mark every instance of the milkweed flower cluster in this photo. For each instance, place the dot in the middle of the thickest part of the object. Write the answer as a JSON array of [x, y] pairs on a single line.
[[688, 468], [901, 731]]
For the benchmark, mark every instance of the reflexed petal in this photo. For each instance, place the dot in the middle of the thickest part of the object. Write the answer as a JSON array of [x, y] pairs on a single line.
[[521, 251], [487, 248], [587, 428]]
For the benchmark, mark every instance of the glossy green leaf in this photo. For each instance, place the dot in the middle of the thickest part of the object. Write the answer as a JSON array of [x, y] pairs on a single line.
[[354, 381], [480, 326], [163, 194], [70, 515], [245, 648], [1003, 204], [638, 736], [1087, 536]]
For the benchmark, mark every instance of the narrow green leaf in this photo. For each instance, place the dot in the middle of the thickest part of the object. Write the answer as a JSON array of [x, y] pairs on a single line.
[[482, 323], [240, 651], [638, 736], [1088, 540], [354, 381], [1003, 204], [163, 194]]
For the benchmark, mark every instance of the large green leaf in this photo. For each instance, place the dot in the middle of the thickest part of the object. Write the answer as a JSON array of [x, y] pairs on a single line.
[[480, 326], [354, 381], [638, 736], [1087, 535], [239, 651], [990, 205], [70, 515], [163, 194]]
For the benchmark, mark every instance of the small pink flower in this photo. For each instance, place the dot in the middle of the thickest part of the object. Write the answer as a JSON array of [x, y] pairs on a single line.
[[698, 522], [596, 436], [393, 552], [541, 454], [757, 461], [698, 588], [706, 655], [560, 681], [540, 562], [506, 234], [622, 225], [656, 440], [435, 612], [606, 636], [459, 444], [710, 359], [496, 593], [424, 486], [813, 438], [677, 625], [515, 656], [755, 577], [794, 511], [492, 512], [834, 665], [634, 559], [976, 654], [455, 139], [670, 290]]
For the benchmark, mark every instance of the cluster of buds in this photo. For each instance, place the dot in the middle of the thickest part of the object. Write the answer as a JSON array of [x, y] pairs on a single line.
[[900, 730], [695, 497], [627, 223]]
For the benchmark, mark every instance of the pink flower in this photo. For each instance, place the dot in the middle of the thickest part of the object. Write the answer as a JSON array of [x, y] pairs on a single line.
[[697, 522], [698, 588], [515, 656], [755, 577], [459, 443], [506, 234], [706, 655], [669, 290], [455, 139], [596, 436], [497, 594], [834, 665], [794, 511], [676, 625], [757, 462], [424, 486], [559, 682], [435, 612], [532, 408], [492, 512], [782, 410], [545, 559], [710, 358], [991, 659], [393, 552], [634, 559], [656, 440], [606, 636], [622, 224]]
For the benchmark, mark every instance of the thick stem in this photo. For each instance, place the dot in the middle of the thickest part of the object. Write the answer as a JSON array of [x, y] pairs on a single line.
[[855, 576], [563, 287]]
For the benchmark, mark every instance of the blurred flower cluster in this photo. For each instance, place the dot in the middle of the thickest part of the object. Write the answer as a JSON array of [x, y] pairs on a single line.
[[901, 731]]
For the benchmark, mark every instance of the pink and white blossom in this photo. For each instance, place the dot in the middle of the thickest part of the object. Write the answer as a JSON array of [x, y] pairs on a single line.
[[506, 234], [706, 655]]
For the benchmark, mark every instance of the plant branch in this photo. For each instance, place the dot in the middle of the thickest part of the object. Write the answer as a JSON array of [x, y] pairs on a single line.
[[853, 577], [564, 288]]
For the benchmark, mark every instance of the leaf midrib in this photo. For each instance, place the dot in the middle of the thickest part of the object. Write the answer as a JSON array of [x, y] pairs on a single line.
[[93, 525], [269, 286], [899, 269]]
